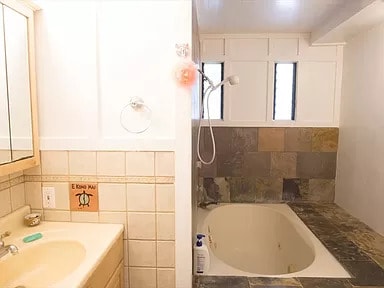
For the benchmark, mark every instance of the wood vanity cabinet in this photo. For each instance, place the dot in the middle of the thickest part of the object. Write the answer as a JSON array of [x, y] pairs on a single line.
[[19, 147], [109, 273]]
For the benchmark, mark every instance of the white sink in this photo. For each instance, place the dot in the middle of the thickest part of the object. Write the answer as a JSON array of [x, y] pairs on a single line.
[[64, 257], [41, 265]]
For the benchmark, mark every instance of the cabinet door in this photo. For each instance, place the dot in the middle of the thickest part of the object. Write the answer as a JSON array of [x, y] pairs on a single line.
[[5, 138], [117, 279], [18, 83]]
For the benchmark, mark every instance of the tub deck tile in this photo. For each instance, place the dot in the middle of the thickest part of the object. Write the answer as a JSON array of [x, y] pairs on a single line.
[[221, 282], [259, 282], [324, 283]]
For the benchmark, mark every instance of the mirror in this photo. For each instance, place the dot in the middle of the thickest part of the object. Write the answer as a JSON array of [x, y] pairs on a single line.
[[5, 138], [17, 67], [18, 120]]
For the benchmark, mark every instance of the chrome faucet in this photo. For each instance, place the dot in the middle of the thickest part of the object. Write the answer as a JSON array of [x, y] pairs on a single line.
[[5, 249], [204, 205]]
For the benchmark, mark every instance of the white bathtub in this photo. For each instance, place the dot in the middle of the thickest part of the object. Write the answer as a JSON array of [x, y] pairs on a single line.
[[263, 240]]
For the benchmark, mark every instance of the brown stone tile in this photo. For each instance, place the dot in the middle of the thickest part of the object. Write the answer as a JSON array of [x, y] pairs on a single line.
[[244, 139], [273, 282], [269, 189], [223, 136], [325, 139], [271, 139], [366, 273], [294, 189], [283, 164], [243, 189], [316, 165], [217, 189], [257, 164], [221, 282], [324, 283], [298, 139], [230, 164], [321, 190]]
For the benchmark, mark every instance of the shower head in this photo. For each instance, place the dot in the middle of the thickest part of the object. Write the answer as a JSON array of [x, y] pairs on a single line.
[[233, 80]]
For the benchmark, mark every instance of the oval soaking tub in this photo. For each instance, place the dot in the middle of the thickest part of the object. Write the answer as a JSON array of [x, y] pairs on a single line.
[[263, 240]]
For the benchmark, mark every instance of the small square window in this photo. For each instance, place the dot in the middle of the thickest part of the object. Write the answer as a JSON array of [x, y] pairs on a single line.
[[215, 72], [285, 91]]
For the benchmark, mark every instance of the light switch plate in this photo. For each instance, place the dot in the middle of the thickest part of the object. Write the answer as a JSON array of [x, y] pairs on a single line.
[[49, 199]]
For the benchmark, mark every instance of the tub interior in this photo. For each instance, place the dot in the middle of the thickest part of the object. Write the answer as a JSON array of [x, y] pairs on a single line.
[[264, 240]]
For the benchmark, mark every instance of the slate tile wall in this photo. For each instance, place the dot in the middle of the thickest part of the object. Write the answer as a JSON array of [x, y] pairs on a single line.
[[270, 164]]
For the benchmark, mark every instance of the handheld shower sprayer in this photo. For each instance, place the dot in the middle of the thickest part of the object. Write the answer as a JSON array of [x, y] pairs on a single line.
[[233, 80]]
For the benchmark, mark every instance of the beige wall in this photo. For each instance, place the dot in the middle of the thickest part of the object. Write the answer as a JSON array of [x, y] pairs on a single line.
[[360, 169], [135, 189]]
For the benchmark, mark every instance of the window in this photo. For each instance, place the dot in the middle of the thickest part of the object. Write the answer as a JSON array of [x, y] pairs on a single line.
[[215, 72], [285, 91]]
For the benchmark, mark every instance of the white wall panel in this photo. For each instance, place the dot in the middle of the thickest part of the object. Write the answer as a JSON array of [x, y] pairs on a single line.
[[316, 91], [212, 48], [284, 49], [66, 66], [247, 101], [247, 49], [319, 77]]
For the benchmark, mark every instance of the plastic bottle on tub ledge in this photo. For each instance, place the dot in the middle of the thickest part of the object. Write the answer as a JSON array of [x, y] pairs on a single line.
[[201, 255]]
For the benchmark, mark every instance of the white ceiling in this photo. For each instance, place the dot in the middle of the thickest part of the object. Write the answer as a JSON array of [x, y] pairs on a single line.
[[256, 16]]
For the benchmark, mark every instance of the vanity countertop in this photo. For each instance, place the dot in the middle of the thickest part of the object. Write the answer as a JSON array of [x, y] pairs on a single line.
[[68, 253]]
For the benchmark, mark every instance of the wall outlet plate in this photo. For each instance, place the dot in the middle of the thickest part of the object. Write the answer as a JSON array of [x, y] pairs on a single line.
[[49, 199]]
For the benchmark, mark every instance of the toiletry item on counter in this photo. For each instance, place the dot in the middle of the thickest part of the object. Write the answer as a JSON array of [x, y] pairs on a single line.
[[32, 237], [201, 255], [32, 219]]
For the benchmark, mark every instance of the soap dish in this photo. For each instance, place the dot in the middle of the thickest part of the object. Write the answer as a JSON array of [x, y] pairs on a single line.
[[32, 219]]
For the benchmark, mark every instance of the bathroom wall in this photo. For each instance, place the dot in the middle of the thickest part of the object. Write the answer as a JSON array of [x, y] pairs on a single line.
[[12, 194], [270, 164], [134, 188], [360, 170], [88, 70]]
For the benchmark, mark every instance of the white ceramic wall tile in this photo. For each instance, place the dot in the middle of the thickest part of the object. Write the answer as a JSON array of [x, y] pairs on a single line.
[[165, 278], [140, 164], [17, 196], [166, 254], [5, 202], [126, 258], [115, 218], [112, 197], [142, 277], [141, 225], [33, 196], [61, 194], [54, 162], [82, 163], [85, 217], [126, 277], [165, 197], [57, 215], [165, 164], [111, 163], [165, 226], [141, 197], [16, 174], [142, 253]]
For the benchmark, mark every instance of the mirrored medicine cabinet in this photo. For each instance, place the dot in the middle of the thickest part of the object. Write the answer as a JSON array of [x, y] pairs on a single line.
[[18, 115]]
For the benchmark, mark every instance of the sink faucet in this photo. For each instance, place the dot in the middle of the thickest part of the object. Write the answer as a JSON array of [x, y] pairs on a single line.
[[4, 249]]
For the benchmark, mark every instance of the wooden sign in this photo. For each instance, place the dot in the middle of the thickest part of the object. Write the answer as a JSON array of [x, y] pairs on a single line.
[[84, 197]]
